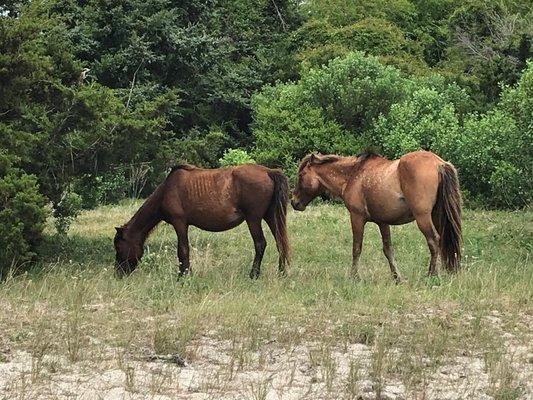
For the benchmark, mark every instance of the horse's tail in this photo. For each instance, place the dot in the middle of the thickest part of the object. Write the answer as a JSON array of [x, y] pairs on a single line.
[[447, 216], [277, 212]]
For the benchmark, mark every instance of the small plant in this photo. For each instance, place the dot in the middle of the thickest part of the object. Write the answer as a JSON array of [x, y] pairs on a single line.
[[172, 339], [351, 385], [502, 380], [259, 389], [235, 157], [66, 211], [379, 364]]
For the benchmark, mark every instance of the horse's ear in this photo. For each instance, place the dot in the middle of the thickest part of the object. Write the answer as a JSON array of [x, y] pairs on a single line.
[[315, 158], [119, 230]]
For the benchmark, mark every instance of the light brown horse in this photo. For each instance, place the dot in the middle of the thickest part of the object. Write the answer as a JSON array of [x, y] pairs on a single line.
[[214, 200], [419, 186]]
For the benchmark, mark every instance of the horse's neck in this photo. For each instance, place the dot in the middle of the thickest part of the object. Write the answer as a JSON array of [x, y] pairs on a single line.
[[335, 175], [146, 217]]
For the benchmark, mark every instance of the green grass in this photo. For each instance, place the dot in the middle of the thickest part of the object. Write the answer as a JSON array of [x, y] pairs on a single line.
[[71, 304]]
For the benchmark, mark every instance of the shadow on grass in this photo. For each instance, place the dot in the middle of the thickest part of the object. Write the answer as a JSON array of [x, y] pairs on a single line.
[[76, 249]]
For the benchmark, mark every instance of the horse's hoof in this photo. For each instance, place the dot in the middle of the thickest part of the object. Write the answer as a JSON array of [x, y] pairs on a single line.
[[254, 275], [400, 281], [184, 273]]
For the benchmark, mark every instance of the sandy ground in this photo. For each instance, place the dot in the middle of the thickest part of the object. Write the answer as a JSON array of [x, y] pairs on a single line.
[[218, 369]]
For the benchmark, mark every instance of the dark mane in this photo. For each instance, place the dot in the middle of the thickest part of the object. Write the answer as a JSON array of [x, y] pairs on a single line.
[[368, 154], [304, 162], [184, 166], [362, 158]]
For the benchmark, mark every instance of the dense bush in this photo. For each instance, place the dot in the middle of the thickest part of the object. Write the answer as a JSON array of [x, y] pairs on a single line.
[[495, 152], [22, 216], [427, 120], [286, 128], [66, 211], [330, 110]]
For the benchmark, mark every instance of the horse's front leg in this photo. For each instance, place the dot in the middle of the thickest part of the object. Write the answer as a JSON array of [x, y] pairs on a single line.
[[182, 231], [358, 227], [254, 225]]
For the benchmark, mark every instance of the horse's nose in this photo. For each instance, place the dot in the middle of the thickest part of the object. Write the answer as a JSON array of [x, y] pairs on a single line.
[[296, 205]]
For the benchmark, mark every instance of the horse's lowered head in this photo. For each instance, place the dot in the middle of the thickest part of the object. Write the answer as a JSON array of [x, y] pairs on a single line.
[[309, 185], [128, 252]]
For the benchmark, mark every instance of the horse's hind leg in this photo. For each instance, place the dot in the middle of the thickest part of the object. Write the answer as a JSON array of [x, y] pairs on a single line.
[[254, 225], [425, 224], [182, 231], [384, 229]]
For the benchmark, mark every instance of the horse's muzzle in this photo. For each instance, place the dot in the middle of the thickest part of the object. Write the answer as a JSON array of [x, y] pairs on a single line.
[[124, 268], [297, 205]]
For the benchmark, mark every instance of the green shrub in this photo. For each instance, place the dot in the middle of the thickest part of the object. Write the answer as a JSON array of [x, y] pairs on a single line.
[[353, 91], [493, 161], [329, 110], [510, 185], [22, 216], [426, 121], [235, 157], [286, 129], [66, 211], [95, 190]]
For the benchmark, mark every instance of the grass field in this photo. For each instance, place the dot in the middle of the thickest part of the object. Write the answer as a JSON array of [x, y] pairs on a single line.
[[69, 329]]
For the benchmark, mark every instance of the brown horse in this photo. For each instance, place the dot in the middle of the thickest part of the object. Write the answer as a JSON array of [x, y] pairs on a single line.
[[214, 200], [419, 186]]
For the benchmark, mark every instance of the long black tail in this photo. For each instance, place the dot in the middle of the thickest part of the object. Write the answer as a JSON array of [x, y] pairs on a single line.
[[447, 217], [277, 213]]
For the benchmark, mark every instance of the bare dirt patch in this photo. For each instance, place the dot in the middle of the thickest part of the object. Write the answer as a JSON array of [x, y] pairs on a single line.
[[228, 369]]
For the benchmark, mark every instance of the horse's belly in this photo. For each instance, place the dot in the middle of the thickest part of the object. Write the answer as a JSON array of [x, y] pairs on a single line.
[[390, 208], [213, 221]]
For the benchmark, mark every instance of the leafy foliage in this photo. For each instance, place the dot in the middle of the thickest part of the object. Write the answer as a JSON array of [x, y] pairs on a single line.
[[235, 157], [427, 120]]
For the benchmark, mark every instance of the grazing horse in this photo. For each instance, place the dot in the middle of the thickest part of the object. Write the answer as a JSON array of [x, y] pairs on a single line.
[[418, 186], [213, 200]]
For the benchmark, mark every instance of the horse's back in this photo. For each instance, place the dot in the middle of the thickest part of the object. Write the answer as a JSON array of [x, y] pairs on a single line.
[[217, 199], [202, 197], [393, 192]]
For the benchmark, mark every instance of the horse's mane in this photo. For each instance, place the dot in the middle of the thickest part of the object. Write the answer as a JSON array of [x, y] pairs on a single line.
[[321, 159], [367, 155], [184, 166]]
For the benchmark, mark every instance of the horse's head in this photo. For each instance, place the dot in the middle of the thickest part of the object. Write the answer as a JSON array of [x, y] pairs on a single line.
[[308, 185], [128, 252]]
